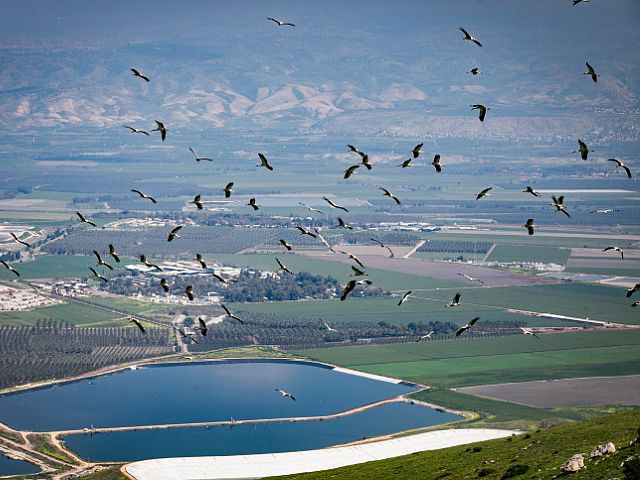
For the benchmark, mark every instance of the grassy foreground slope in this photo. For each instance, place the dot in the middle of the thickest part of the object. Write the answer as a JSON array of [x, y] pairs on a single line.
[[540, 454]]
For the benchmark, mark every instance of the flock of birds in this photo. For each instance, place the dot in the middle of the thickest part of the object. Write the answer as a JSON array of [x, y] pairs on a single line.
[[359, 270]]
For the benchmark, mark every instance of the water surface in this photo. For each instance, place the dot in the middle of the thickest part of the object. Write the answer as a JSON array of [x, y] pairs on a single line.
[[193, 392], [257, 438], [9, 466]]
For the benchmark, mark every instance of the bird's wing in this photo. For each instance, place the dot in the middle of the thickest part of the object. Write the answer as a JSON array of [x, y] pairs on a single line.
[[474, 320], [229, 186], [175, 230], [456, 298], [590, 68], [618, 162], [347, 289], [466, 34], [626, 169], [476, 42]]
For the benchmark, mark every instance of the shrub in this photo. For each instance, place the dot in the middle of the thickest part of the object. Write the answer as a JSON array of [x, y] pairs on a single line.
[[515, 470]]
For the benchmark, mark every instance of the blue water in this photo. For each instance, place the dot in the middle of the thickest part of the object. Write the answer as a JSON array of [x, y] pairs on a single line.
[[9, 466], [186, 393], [257, 438]]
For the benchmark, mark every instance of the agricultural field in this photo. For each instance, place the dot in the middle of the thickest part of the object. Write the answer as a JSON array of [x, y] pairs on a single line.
[[574, 392], [529, 253], [55, 266], [538, 454], [581, 300], [78, 315], [495, 360]]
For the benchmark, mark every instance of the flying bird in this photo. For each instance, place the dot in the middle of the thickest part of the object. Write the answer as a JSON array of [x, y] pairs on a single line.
[[406, 163], [342, 224], [350, 171], [84, 220], [463, 329], [484, 193], [583, 150], [189, 292], [426, 337], [527, 331], [174, 233], [467, 36], [417, 150], [144, 195], [137, 130], [97, 275], [529, 226], [356, 149], [619, 164], [304, 231], [228, 189], [630, 291], [185, 335], [165, 285], [202, 326], [558, 203], [101, 262], [15, 237], [616, 249], [470, 278], [143, 259], [264, 162], [200, 159], [136, 73], [324, 241], [285, 394], [636, 304], [333, 205], [352, 257], [366, 162], [162, 129], [10, 268], [230, 315], [575, 2], [383, 246], [138, 324], [404, 298], [474, 71], [455, 302], [283, 267], [197, 201], [436, 163], [200, 260], [219, 277], [387, 193], [113, 253], [590, 71], [482, 110], [351, 285], [606, 210], [253, 204], [357, 272], [285, 244], [531, 191], [329, 329], [280, 22], [310, 208]]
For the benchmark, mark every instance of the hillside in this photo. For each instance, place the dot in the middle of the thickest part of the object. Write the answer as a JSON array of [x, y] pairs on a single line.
[[542, 451]]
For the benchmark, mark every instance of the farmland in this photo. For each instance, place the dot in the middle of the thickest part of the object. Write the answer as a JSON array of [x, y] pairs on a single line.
[[528, 253], [79, 315], [495, 360]]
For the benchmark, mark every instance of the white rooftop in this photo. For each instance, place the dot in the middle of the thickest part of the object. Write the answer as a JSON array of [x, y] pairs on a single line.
[[272, 464]]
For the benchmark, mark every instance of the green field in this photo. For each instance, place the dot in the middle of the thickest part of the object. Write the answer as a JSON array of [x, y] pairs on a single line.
[[55, 266], [378, 309], [529, 253], [495, 360], [529, 240], [381, 278], [597, 302], [78, 315], [541, 453], [128, 305]]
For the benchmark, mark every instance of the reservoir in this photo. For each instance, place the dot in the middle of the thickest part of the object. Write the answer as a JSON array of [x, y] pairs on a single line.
[[130, 446], [193, 392], [9, 466]]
